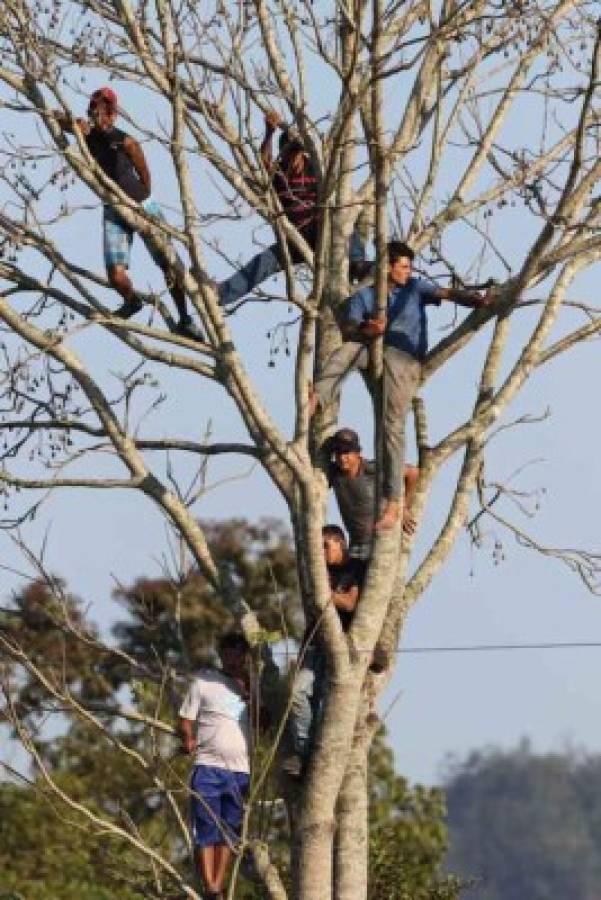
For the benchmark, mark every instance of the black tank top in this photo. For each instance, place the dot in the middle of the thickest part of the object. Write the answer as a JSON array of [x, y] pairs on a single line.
[[107, 149]]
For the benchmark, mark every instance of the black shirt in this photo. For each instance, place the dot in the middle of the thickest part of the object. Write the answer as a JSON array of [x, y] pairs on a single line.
[[356, 499], [342, 578], [107, 149]]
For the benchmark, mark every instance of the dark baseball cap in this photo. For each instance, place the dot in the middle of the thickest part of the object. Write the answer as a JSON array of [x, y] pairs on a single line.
[[346, 441], [290, 140], [103, 95]]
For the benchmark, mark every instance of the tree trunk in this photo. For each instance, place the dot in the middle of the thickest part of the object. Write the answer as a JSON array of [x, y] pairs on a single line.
[[351, 850], [316, 826]]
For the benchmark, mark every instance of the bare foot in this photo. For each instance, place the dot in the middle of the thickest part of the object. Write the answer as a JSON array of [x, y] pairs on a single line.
[[409, 522], [390, 515]]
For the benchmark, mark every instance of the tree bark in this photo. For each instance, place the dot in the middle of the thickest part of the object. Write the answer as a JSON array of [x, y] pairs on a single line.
[[351, 851]]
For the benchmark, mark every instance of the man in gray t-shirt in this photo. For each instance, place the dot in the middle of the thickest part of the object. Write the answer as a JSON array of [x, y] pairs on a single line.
[[405, 338], [354, 482]]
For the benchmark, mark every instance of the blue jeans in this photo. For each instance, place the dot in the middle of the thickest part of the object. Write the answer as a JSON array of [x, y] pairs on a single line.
[[307, 692], [269, 262]]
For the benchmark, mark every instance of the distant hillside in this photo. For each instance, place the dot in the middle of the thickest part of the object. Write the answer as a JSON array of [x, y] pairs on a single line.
[[527, 827]]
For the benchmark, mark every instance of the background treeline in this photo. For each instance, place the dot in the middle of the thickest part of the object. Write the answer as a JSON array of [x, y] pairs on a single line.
[[166, 627], [527, 826], [520, 826]]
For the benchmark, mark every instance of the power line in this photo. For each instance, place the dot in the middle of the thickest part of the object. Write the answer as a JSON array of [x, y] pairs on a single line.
[[479, 648], [488, 648]]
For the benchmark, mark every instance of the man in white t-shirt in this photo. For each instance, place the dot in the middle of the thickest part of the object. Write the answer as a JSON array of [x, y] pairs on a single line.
[[215, 728]]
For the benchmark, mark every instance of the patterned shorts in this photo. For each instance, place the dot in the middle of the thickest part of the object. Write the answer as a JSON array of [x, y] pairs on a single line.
[[118, 236]]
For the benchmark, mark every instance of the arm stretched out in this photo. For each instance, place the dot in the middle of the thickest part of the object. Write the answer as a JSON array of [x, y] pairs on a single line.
[[471, 299]]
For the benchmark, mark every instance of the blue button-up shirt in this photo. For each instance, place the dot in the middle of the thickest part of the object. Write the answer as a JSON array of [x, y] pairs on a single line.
[[406, 323]]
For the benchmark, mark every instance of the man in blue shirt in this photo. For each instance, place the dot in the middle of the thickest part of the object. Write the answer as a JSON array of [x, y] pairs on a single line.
[[405, 343]]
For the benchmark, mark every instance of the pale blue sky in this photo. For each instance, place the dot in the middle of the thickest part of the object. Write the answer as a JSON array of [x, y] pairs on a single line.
[[442, 703]]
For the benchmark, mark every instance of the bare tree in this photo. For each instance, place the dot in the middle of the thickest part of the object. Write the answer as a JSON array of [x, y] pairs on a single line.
[[452, 124]]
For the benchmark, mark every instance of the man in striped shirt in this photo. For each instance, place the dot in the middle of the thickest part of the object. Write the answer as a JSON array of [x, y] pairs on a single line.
[[294, 180]]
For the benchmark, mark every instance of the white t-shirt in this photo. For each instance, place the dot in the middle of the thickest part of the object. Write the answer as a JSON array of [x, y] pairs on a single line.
[[215, 703]]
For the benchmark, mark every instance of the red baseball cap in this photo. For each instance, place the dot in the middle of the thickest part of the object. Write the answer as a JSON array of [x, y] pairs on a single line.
[[103, 95]]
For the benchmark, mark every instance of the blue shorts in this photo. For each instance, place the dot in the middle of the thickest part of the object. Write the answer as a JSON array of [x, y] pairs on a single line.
[[217, 804], [118, 236]]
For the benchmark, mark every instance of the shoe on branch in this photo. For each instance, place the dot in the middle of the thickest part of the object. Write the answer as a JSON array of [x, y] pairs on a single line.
[[129, 308], [359, 269], [187, 328], [293, 766]]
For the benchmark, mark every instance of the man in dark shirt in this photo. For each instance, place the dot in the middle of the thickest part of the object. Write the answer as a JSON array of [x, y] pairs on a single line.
[[405, 343], [294, 180], [353, 480], [123, 160], [346, 575]]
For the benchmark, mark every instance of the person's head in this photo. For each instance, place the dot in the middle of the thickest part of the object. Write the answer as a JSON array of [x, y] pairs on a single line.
[[400, 262], [102, 108], [292, 153], [346, 450], [233, 653], [335, 548]]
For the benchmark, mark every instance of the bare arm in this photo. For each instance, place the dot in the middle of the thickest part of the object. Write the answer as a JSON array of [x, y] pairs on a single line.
[[136, 154], [363, 331], [272, 121], [67, 122], [346, 600], [186, 728], [411, 475]]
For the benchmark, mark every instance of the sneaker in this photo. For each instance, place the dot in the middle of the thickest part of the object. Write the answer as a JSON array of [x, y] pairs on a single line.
[[293, 766], [187, 328], [129, 308], [359, 269]]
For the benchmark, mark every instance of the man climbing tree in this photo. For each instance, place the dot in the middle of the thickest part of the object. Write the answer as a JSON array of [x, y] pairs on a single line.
[[295, 183], [345, 575], [103, 409], [215, 728], [121, 158], [353, 479], [405, 334]]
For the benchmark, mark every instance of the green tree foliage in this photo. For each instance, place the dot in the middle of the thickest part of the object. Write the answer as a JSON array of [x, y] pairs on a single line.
[[527, 826], [408, 835], [49, 625], [48, 852], [177, 618], [45, 853]]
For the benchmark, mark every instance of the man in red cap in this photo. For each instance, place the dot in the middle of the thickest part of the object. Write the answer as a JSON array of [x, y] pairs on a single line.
[[122, 159]]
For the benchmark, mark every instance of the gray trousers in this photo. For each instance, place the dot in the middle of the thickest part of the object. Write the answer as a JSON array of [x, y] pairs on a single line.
[[400, 382]]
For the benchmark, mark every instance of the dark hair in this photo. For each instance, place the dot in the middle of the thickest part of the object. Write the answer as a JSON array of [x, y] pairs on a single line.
[[334, 531], [290, 140], [398, 249], [232, 640], [345, 441]]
